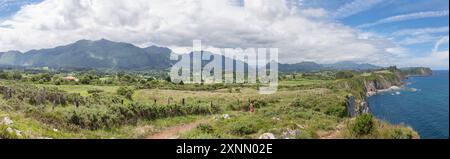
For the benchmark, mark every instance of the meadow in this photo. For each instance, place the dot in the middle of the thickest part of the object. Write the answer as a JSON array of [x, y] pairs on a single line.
[[133, 105]]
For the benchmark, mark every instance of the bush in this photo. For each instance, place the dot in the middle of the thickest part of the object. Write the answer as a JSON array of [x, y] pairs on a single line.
[[205, 128], [363, 124], [398, 133], [94, 91], [243, 128], [126, 92], [99, 116], [336, 110], [4, 134], [17, 76], [344, 74]]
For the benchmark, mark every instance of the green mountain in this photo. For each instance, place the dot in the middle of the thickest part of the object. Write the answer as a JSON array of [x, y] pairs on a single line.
[[105, 54], [92, 54]]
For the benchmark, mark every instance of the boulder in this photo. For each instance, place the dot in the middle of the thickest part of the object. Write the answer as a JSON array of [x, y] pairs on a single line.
[[7, 121], [267, 136], [289, 134], [226, 116]]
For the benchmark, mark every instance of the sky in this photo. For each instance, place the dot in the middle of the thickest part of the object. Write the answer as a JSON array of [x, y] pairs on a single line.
[[383, 32]]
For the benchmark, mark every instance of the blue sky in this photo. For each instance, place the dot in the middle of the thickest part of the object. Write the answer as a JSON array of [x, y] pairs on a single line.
[[9, 7], [413, 28]]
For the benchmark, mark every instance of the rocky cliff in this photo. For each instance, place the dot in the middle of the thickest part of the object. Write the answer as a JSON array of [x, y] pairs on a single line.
[[367, 85]]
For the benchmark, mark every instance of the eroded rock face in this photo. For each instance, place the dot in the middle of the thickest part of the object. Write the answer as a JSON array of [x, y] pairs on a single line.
[[351, 106], [355, 109], [267, 136], [364, 107]]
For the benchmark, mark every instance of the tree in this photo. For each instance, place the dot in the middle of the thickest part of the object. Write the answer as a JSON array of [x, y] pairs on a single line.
[[363, 124], [126, 91], [168, 79], [17, 76], [4, 75], [344, 74]]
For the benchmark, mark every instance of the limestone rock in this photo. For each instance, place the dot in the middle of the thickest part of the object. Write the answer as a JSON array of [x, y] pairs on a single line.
[[7, 121], [226, 116], [267, 136]]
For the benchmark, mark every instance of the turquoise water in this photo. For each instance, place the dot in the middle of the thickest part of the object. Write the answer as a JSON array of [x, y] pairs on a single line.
[[422, 104]]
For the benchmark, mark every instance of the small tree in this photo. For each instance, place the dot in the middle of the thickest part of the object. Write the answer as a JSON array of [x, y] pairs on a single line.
[[344, 74], [17, 76], [126, 91], [363, 124]]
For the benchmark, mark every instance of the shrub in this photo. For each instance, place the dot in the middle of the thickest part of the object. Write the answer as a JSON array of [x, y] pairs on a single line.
[[126, 92], [205, 128], [336, 110], [4, 134], [243, 128], [363, 124], [344, 75], [398, 133], [93, 91], [259, 103], [99, 116], [17, 76]]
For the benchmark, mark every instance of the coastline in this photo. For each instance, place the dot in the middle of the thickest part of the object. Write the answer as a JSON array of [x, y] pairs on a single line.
[[390, 89], [418, 110]]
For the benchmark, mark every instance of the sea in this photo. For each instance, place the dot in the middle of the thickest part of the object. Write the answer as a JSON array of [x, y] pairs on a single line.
[[422, 103]]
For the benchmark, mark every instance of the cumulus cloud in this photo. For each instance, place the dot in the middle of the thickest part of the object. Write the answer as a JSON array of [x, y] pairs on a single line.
[[175, 23], [419, 35], [405, 17]]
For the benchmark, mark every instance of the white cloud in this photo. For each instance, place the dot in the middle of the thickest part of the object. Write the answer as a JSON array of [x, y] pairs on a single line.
[[405, 17], [443, 40], [398, 51], [355, 7], [437, 59], [421, 31], [313, 12], [175, 23], [419, 35], [418, 39]]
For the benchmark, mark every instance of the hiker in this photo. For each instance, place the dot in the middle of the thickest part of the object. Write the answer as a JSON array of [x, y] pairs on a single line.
[[251, 107]]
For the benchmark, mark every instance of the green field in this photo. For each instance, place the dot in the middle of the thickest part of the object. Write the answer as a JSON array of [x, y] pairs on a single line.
[[302, 108]]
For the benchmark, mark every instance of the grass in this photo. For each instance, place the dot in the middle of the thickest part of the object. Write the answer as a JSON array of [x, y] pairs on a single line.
[[381, 130], [82, 89], [301, 108]]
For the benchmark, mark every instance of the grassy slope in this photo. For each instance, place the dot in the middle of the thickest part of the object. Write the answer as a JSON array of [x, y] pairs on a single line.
[[310, 108]]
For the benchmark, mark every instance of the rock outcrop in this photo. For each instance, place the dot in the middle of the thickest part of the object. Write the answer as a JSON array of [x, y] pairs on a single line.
[[355, 108], [357, 105], [267, 136]]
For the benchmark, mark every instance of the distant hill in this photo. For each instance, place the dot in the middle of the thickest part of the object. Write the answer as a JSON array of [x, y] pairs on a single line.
[[92, 54], [349, 65], [313, 67], [105, 54], [301, 67]]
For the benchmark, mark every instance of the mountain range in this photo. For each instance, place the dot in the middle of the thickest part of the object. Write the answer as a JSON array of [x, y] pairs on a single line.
[[105, 54]]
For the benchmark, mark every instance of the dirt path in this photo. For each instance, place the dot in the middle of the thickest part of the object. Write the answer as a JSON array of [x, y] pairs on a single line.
[[172, 132], [334, 134]]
